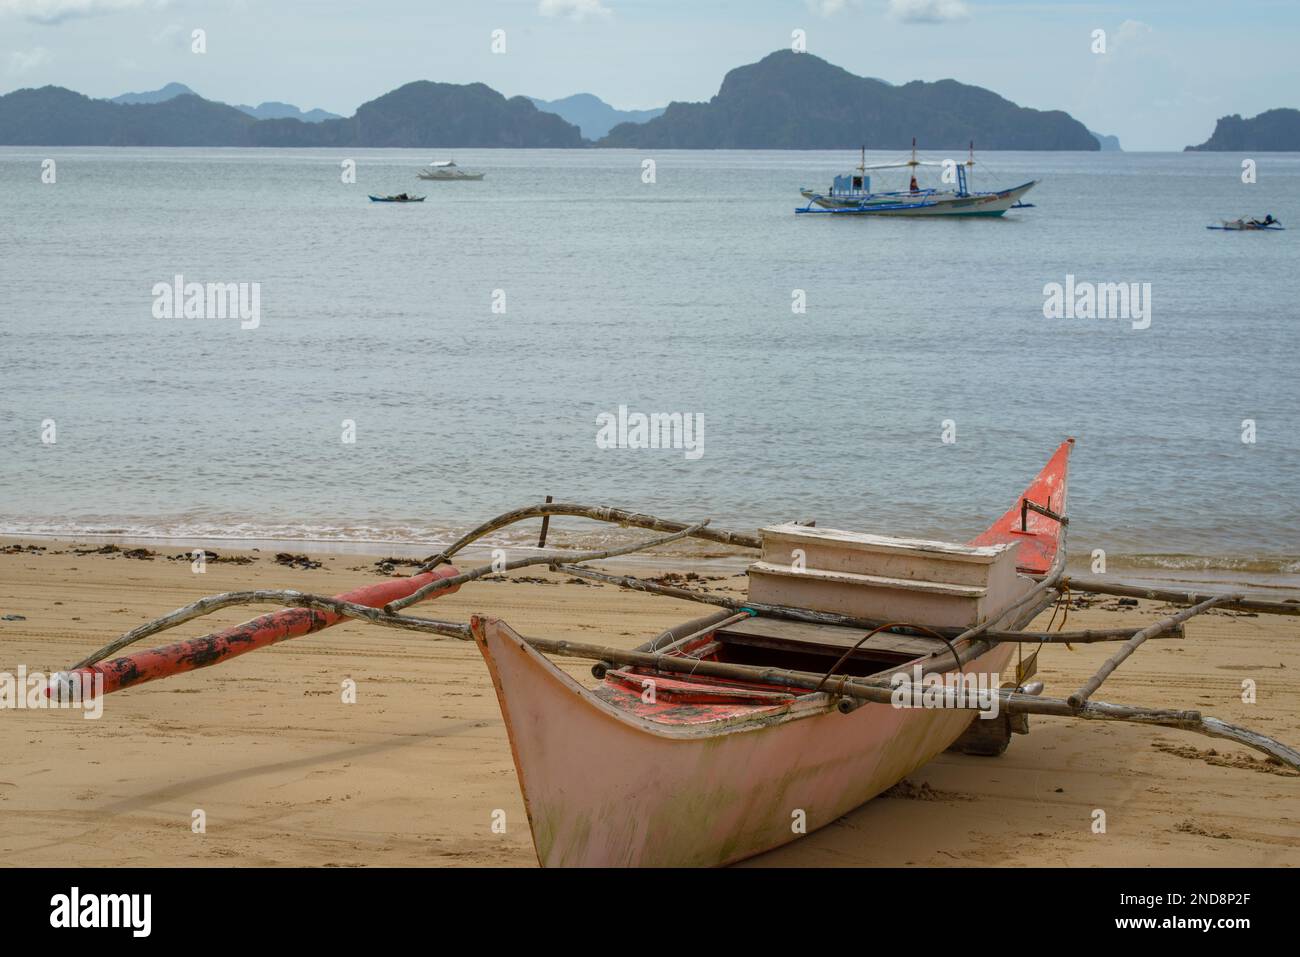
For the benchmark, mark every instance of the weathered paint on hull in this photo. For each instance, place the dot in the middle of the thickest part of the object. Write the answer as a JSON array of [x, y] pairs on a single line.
[[605, 788]]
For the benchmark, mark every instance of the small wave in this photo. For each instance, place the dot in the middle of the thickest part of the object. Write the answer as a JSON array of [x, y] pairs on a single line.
[[1240, 564], [426, 538], [565, 534]]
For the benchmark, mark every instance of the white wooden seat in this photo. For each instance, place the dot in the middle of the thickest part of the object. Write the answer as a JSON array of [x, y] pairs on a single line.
[[878, 577]]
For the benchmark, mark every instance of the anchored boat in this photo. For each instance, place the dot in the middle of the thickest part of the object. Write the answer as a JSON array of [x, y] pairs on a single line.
[[854, 660], [447, 170], [1248, 225], [851, 194], [399, 198]]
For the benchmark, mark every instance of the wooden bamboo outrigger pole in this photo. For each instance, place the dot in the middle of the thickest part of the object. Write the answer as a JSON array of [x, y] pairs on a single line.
[[443, 583], [599, 513], [812, 617], [440, 582], [873, 690], [966, 646], [1094, 586], [1114, 661]]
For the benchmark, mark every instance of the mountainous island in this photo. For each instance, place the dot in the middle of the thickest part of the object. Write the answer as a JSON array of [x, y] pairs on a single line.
[[269, 110], [420, 114], [785, 101], [592, 115], [160, 95], [793, 100], [1270, 131]]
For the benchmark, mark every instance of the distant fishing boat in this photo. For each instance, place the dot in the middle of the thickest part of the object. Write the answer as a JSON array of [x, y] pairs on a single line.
[[851, 194], [448, 170], [399, 198], [1247, 225]]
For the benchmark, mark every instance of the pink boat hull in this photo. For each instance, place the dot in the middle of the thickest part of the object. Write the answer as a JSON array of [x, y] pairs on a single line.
[[709, 772], [604, 787]]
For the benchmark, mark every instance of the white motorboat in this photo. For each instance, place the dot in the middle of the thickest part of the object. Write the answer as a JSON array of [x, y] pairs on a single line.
[[448, 170]]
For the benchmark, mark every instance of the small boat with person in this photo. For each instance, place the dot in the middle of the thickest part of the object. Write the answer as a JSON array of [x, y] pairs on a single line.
[[447, 170], [1242, 224], [399, 198], [851, 194]]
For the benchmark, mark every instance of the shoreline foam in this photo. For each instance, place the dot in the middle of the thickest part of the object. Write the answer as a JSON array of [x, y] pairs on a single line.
[[1175, 570]]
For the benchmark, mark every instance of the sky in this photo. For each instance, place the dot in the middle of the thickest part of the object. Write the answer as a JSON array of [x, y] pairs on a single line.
[[1170, 67]]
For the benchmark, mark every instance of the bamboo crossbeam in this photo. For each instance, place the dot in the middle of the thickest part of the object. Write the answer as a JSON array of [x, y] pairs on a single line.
[[874, 691], [809, 616], [1094, 586], [550, 559], [669, 635], [975, 642], [599, 513], [701, 632], [1087, 636], [866, 689], [1077, 699]]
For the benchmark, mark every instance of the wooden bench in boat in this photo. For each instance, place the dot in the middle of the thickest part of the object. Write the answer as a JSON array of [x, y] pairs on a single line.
[[939, 584], [804, 646]]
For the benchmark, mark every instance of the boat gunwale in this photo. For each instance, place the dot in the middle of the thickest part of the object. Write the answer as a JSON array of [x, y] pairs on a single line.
[[804, 705]]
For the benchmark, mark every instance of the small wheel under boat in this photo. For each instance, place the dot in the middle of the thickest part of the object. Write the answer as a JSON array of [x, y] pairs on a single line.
[[987, 737]]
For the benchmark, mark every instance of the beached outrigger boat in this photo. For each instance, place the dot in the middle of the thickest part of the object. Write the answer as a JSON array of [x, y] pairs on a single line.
[[851, 193], [659, 767], [853, 660]]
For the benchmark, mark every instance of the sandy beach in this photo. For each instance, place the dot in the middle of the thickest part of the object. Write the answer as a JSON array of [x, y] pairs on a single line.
[[286, 773]]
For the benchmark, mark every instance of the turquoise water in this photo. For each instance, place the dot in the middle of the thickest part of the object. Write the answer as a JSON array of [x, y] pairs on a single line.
[[667, 297]]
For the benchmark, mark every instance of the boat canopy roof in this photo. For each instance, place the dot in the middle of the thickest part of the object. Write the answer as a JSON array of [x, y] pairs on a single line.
[[443, 163], [903, 165]]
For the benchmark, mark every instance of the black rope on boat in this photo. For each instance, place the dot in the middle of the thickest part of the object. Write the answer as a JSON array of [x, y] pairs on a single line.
[[877, 630]]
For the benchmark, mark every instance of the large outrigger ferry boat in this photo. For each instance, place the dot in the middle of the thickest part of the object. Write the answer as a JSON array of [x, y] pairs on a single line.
[[851, 193]]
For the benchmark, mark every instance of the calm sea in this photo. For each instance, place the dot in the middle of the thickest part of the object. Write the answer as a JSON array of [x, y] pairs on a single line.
[[671, 296]]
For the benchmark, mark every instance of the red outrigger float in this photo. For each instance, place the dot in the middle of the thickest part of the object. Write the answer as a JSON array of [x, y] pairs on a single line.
[[737, 732]]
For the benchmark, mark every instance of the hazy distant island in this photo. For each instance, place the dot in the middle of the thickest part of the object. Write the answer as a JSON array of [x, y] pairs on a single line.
[[1107, 143], [420, 114], [785, 101], [1271, 131], [793, 100], [592, 115], [269, 110]]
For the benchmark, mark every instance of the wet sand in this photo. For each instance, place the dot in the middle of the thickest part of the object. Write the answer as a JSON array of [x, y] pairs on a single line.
[[416, 770]]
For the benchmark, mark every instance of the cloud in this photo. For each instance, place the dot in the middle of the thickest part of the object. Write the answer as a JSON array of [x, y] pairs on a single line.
[[22, 61], [56, 11], [167, 33], [928, 11], [1130, 32], [828, 8], [574, 9]]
